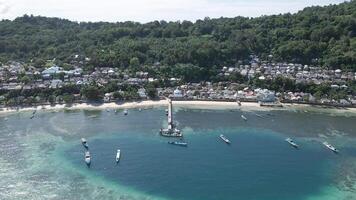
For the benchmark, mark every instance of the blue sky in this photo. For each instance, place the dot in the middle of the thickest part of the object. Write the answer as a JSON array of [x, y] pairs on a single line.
[[149, 10]]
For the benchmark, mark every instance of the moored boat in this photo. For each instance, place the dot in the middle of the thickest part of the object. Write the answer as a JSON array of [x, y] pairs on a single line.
[[118, 154], [292, 143], [331, 147], [239, 103], [184, 144], [227, 141], [126, 112], [84, 142], [87, 158]]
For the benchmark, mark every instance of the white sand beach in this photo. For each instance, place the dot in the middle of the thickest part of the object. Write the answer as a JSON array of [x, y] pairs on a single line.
[[245, 106]]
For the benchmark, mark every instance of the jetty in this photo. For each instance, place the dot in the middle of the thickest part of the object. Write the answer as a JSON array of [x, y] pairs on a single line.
[[171, 130]]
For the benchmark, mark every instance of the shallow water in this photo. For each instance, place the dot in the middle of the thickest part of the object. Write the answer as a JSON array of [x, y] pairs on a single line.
[[42, 158]]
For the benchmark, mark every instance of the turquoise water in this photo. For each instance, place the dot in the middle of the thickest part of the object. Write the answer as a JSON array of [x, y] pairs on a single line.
[[43, 158]]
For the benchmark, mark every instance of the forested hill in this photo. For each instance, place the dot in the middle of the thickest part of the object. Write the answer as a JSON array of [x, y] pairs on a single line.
[[320, 35]]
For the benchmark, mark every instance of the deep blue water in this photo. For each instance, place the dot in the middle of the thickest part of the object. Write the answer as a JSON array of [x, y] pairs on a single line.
[[258, 164]]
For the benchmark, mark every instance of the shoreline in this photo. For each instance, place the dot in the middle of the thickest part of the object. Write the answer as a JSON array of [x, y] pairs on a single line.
[[217, 105]]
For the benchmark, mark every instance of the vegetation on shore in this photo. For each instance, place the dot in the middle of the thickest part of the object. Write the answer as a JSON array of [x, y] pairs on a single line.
[[192, 52], [315, 35]]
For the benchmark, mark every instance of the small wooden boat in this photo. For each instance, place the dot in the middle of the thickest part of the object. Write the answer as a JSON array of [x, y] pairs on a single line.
[[227, 141], [292, 143]]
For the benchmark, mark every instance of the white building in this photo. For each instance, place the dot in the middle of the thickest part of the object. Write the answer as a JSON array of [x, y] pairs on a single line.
[[177, 93], [142, 93]]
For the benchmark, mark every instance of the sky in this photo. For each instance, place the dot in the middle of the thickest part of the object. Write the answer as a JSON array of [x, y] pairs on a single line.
[[150, 10]]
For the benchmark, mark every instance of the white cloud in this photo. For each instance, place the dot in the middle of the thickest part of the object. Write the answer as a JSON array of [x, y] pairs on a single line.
[[149, 10]]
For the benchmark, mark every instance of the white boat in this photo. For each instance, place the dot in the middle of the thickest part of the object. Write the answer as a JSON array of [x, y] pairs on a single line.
[[84, 142], [227, 141], [87, 158], [126, 112], [118, 153], [258, 115], [331, 147], [239, 103], [178, 143], [243, 117], [291, 142]]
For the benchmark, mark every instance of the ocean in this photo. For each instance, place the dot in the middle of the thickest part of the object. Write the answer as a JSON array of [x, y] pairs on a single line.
[[43, 158]]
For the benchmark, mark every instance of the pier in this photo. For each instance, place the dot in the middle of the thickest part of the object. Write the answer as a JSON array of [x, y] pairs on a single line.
[[171, 130]]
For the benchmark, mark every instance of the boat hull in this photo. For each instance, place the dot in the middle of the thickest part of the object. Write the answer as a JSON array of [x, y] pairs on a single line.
[[171, 133], [182, 144]]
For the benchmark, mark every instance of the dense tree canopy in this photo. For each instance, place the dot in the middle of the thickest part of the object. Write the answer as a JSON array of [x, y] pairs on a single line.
[[321, 35]]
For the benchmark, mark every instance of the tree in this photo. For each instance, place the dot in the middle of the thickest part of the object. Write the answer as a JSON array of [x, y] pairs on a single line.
[[91, 92], [134, 62], [68, 98], [25, 79], [151, 91]]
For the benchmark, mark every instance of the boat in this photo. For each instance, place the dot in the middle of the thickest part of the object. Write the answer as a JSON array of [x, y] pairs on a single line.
[[84, 142], [32, 116], [118, 153], [107, 110], [243, 117], [291, 142], [227, 141], [184, 144], [126, 112], [331, 147], [171, 130], [258, 115], [87, 158], [239, 103]]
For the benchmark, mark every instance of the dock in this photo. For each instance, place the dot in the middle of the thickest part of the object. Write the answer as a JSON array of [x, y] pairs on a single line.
[[171, 130]]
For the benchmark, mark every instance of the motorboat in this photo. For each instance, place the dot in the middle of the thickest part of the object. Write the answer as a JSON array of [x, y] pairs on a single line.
[[227, 141], [84, 143], [126, 112], [292, 143], [118, 154], [87, 158], [331, 147], [171, 132], [178, 143], [239, 103], [243, 117]]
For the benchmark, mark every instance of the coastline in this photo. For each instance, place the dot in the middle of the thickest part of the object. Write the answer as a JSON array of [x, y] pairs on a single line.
[[245, 106]]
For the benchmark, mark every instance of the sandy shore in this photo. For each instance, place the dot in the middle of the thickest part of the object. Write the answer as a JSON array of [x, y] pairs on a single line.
[[246, 106]]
